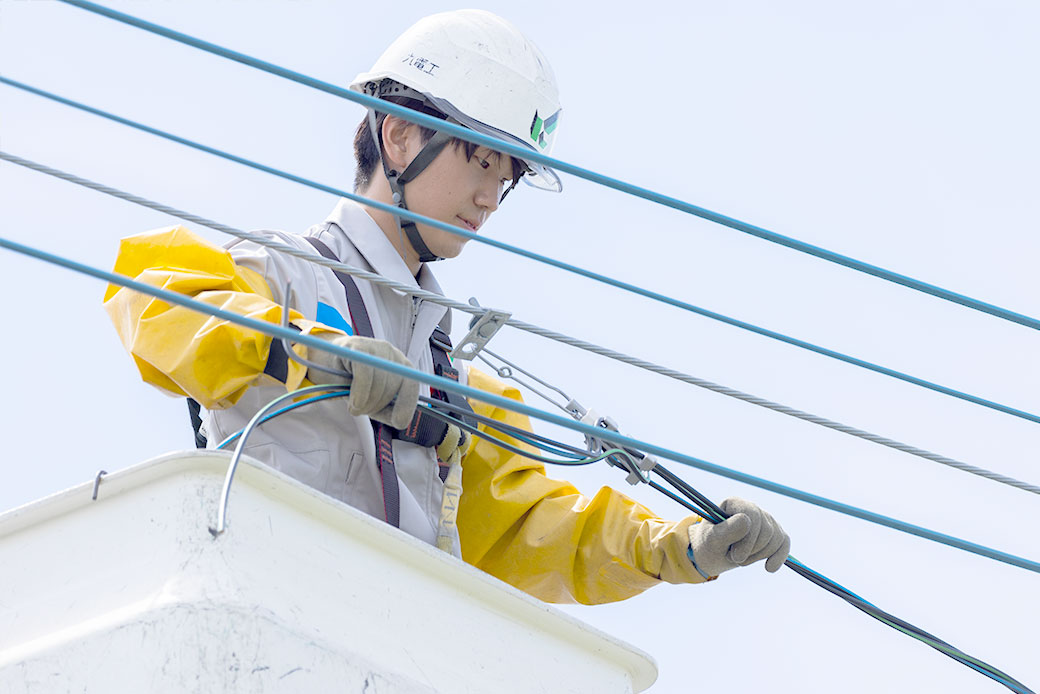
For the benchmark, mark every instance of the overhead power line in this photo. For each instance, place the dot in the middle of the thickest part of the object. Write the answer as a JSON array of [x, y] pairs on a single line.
[[735, 224], [684, 494], [508, 404], [656, 296], [521, 325], [560, 165]]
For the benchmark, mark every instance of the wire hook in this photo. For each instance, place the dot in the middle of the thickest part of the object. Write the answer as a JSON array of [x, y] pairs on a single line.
[[297, 358]]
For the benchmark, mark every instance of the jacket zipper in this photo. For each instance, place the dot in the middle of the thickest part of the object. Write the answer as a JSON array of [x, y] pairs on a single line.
[[416, 304]]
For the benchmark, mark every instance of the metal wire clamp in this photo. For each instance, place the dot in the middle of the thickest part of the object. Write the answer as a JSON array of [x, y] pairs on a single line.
[[637, 463], [481, 329]]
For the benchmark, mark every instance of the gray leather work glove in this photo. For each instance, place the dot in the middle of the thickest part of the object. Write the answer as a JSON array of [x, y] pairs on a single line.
[[748, 535], [385, 397]]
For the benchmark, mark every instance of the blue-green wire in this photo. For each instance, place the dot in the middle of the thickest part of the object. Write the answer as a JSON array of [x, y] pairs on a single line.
[[656, 296], [792, 560], [714, 514], [519, 407], [234, 437], [834, 587], [560, 165], [505, 445], [573, 459], [737, 225]]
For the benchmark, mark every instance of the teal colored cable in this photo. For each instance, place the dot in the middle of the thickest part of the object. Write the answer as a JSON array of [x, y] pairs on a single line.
[[822, 577], [817, 578], [822, 581], [813, 576], [573, 459], [505, 445], [716, 515], [231, 439], [221, 525], [604, 279], [281, 247], [506, 403], [534, 440], [560, 165], [926, 638]]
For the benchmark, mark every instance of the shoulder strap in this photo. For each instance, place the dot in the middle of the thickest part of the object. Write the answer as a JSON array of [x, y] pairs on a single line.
[[194, 410], [440, 346], [423, 430], [382, 433], [355, 304]]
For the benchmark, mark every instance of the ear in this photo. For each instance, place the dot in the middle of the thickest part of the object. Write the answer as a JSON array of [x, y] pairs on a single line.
[[401, 142]]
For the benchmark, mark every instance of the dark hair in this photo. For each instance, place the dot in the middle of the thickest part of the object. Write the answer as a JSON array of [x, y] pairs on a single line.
[[367, 155]]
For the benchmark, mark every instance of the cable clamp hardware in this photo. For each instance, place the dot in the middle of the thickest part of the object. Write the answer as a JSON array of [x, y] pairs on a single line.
[[481, 329], [637, 463]]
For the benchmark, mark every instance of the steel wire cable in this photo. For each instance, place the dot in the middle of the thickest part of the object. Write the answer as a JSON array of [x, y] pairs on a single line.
[[528, 327], [505, 445], [469, 392], [598, 277], [943, 643], [526, 435], [708, 510], [256, 420], [694, 501], [558, 164], [604, 279], [712, 513]]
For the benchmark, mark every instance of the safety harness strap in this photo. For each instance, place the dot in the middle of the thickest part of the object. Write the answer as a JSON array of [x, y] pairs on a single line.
[[388, 473], [277, 366], [440, 348], [194, 410], [359, 318], [355, 304], [423, 429]]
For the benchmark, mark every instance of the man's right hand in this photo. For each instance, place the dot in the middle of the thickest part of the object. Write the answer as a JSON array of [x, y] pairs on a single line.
[[385, 397]]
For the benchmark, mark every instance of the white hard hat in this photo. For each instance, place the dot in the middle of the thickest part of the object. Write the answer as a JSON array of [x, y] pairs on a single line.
[[479, 70]]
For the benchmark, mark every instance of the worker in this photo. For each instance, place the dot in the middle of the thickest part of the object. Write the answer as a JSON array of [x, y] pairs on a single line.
[[477, 70]]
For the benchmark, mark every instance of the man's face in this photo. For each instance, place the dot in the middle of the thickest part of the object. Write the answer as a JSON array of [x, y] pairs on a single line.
[[459, 192]]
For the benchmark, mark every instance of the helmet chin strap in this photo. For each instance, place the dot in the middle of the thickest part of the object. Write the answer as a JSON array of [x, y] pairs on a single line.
[[397, 181]]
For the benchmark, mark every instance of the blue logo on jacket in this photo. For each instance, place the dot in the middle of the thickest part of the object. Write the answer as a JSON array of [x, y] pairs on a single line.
[[330, 317]]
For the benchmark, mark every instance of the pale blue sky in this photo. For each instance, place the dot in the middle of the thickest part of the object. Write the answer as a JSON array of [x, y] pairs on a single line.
[[903, 134]]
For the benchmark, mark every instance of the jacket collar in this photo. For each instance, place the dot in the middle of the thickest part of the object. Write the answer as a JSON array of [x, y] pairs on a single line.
[[371, 242]]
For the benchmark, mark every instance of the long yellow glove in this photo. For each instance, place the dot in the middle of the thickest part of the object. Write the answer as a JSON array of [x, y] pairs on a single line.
[[541, 535], [545, 538], [183, 352]]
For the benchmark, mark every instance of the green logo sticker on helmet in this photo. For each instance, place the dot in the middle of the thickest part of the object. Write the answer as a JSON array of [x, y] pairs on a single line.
[[540, 128]]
